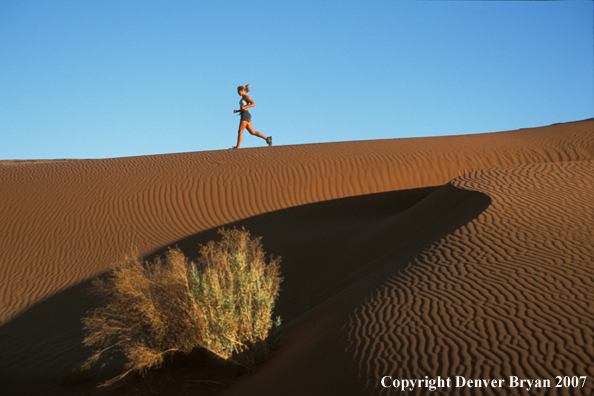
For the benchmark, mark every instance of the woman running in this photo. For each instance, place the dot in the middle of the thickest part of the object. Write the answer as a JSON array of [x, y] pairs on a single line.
[[246, 118]]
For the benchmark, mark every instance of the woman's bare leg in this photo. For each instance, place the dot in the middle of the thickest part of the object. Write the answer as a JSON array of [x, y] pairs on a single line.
[[250, 129], [242, 125]]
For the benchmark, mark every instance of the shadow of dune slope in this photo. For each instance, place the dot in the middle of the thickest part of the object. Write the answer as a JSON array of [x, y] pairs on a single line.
[[313, 358], [324, 247], [42, 346], [327, 246]]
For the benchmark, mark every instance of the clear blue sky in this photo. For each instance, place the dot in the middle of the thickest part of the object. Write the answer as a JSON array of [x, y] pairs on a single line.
[[98, 79]]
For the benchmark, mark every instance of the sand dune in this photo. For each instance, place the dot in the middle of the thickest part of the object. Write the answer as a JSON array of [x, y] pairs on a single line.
[[462, 255], [508, 293]]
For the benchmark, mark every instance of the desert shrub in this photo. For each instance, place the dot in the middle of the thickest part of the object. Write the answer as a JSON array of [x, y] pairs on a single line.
[[222, 303]]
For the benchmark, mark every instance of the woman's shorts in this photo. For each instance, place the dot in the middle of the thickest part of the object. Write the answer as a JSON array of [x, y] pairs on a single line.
[[246, 116]]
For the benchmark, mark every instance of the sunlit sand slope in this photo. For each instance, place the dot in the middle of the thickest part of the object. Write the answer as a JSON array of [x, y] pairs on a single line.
[[508, 294]]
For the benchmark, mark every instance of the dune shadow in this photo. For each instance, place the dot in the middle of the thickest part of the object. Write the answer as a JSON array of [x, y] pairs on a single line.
[[327, 246], [41, 347], [324, 246]]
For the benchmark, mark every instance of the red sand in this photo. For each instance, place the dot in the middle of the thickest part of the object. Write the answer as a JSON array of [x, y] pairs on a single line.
[[462, 255]]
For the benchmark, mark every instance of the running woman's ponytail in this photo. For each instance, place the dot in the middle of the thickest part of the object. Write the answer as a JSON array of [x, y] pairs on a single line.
[[242, 88]]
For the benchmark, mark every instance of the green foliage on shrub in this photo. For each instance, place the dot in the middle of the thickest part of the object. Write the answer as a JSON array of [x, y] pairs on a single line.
[[222, 303]]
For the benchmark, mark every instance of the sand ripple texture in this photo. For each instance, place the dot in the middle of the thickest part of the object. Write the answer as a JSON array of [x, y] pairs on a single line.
[[509, 294]]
